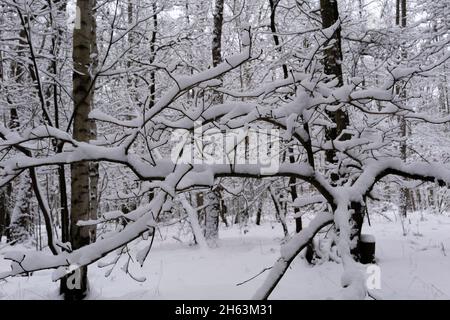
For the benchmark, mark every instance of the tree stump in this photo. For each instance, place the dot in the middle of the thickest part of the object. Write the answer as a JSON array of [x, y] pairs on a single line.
[[366, 245]]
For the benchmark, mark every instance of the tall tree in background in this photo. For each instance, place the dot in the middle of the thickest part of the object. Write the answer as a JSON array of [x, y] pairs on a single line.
[[152, 55], [21, 228], [332, 66], [212, 211], [59, 10], [93, 166], [216, 47], [4, 198], [84, 41], [292, 180], [4, 207], [400, 20]]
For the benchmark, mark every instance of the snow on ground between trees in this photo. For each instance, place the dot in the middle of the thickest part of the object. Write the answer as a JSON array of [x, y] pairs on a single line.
[[412, 267]]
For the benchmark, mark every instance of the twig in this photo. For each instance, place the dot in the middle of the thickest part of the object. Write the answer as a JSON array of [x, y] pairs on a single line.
[[261, 272]]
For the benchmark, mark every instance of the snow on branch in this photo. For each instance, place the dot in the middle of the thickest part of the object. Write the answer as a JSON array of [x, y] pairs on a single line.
[[289, 251], [34, 261]]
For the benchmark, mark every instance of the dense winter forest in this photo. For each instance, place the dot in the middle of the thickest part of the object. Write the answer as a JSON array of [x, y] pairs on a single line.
[[223, 149]]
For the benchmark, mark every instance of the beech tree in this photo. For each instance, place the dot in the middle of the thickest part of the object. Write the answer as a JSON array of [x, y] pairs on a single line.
[[329, 102]]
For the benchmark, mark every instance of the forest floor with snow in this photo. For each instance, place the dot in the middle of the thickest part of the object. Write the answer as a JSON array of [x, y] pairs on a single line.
[[415, 266]]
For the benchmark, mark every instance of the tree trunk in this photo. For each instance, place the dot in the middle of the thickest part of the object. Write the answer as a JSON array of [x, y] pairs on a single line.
[[259, 212], [212, 211], [281, 217], [56, 44], [199, 202], [93, 166], [21, 228], [223, 208], [152, 56], [83, 48], [404, 193], [1, 51], [60, 10], [4, 197], [212, 218], [217, 33], [292, 180], [17, 70], [4, 211], [332, 67]]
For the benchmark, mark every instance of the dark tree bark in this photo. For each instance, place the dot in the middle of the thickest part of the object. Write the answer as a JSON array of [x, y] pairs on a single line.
[[4, 211], [83, 48], [4, 203], [223, 208], [212, 211], [273, 28], [199, 201], [23, 221], [405, 200], [21, 224], [217, 32], [332, 67], [153, 55], [292, 180], [93, 166], [212, 217], [259, 212], [278, 212], [60, 9], [56, 43]]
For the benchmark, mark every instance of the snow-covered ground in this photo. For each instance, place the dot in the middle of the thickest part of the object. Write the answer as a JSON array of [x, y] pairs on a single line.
[[412, 266]]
